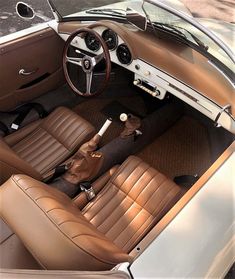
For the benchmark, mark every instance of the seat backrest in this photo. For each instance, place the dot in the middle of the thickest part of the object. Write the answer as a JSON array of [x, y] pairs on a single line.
[[135, 198], [53, 229], [148, 187], [11, 163]]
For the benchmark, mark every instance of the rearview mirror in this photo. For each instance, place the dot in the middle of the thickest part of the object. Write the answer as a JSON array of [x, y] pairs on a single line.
[[136, 19], [24, 10]]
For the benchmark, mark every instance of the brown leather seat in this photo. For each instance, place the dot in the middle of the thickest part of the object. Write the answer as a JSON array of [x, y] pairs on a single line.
[[133, 197], [42, 145]]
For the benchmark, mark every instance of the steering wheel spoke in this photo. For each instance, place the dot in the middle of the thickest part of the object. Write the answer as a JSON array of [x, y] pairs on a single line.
[[74, 60], [89, 76], [98, 58]]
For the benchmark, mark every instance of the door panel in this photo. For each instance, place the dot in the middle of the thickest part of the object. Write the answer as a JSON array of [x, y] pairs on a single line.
[[40, 53]]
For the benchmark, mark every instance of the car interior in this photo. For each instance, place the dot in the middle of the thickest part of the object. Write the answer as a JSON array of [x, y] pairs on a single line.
[[92, 154]]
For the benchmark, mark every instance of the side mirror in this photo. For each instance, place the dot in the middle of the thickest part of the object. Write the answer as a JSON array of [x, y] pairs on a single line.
[[136, 19], [24, 11]]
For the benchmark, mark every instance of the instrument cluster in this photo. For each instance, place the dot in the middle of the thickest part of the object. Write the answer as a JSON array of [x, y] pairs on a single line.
[[112, 41]]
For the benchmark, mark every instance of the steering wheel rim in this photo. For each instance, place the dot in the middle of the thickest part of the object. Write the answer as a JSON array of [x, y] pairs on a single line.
[[87, 63]]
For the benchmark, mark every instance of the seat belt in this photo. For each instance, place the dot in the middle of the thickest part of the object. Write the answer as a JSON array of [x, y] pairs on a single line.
[[58, 171], [4, 128], [22, 112]]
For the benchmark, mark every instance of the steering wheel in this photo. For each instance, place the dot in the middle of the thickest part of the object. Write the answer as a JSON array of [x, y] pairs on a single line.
[[86, 62]]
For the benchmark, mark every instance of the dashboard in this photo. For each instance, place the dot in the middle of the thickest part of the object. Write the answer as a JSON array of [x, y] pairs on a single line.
[[161, 66]]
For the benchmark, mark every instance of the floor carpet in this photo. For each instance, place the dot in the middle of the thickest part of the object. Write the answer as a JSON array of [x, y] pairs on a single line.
[[182, 150], [91, 110]]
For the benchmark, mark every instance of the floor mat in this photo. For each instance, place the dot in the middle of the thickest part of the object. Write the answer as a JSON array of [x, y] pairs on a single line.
[[182, 150], [91, 110], [114, 109]]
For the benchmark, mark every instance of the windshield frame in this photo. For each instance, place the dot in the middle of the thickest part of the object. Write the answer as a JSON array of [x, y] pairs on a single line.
[[227, 50], [196, 24]]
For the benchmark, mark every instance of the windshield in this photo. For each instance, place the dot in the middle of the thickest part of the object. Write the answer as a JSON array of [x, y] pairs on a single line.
[[158, 18]]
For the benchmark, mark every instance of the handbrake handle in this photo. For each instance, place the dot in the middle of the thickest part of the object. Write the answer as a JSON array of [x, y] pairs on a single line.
[[105, 127]]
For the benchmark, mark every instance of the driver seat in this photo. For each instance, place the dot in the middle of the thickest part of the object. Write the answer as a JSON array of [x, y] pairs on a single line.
[[40, 146]]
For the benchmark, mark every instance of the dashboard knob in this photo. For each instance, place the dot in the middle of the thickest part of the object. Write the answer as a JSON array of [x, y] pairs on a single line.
[[137, 82], [147, 73]]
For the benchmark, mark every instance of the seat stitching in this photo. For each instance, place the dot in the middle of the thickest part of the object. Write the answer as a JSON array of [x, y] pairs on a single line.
[[79, 136], [51, 165], [27, 138], [32, 149], [122, 167], [52, 221], [105, 189], [136, 232], [156, 189], [47, 154], [133, 199], [169, 200], [146, 185], [71, 122], [57, 121], [59, 208], [35, 151], [55, 136], [114, 209], [133, 203], [102, 207], [139, 235], [80, 221], [21, 146], [98, 197], [155, 220], [136, 180], [44, 197]]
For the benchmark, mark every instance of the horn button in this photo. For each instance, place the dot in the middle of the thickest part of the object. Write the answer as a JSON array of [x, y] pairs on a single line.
[[88, 63]]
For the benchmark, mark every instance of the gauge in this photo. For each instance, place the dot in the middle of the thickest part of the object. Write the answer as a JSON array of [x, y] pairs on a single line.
[[110, 38], [91, 42], [124, 54]]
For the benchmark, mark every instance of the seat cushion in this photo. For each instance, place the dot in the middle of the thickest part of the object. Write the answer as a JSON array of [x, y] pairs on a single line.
[[136, 197], [53, 229], [54, 140], [11, 163]]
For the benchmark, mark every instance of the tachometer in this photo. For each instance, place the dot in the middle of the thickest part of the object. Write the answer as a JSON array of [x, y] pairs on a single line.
[[124, 54], [110, 38], [91, 42]]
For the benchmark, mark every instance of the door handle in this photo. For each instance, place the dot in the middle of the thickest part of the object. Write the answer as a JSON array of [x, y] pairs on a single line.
[[23, 72]]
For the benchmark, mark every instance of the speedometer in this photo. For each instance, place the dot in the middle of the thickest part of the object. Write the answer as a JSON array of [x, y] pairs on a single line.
[[91, 42], [110, 38]]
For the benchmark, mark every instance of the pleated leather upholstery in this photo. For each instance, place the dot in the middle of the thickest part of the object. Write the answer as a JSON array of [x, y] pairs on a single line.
[[135, 199], [60, 236], [53, 229], [54, 140]]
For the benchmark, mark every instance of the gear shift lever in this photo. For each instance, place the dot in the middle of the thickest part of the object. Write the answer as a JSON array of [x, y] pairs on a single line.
[[132, 124]]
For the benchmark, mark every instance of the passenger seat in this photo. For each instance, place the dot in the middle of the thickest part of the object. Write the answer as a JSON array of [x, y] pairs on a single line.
[[75, 234]]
